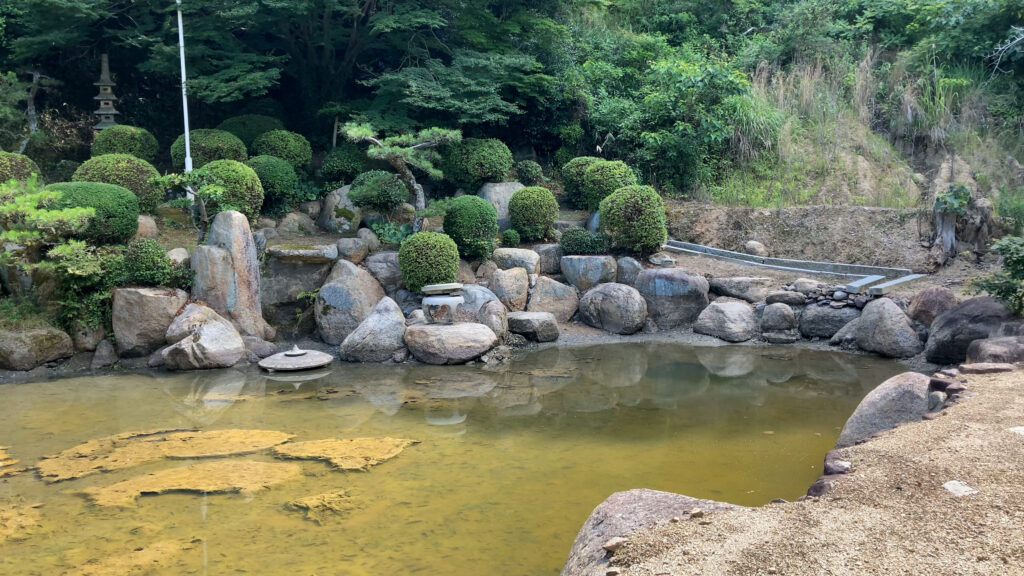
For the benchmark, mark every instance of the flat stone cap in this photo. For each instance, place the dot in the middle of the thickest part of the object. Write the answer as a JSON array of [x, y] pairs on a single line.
[[441, 288]]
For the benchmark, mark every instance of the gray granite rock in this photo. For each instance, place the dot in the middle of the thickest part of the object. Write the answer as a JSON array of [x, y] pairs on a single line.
[[732, 321], [615, 308], [140, 317], [585, 272], [674, 297], [379, 336], [902, 398], [536, 326]]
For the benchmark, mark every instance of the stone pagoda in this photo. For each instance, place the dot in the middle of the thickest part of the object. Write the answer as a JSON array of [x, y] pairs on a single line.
[[106, 98]]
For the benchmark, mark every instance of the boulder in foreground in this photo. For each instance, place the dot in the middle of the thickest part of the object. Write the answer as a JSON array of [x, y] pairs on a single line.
[[449, 343], [902, 398]]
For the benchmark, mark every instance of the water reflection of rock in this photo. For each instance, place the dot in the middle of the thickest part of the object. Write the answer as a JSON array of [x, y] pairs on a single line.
[[209, 394], [728, 361], [668, 385]]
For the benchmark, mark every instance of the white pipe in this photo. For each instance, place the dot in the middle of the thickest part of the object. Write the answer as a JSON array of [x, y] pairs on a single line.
[[184, 90]]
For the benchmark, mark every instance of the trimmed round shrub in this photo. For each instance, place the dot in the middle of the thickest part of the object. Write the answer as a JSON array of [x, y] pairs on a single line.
[[277, 178], [576, 240], [122, 139], [633, 218], [249, 126], [474, 161], [428, 258], [572, 176], [472, 222], [17, 167], [145, 263], [601, 179], [533, 211], [529, 172], [285, 145], [242, 188], [207, 146], [510, 238], [344, 163], [378, 190], [125, 170], [117, 210]]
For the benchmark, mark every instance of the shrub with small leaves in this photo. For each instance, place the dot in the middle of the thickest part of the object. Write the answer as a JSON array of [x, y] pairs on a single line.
[[472, 223], [242, 190], [207, 146], [1007, 286], [146, 264], [116, 217], [510, 238], [17, 167], [428, 258], [1011, 208], [378, 190], [572, 176], [344, 163], [124, 139], [125, 170], [533, 211], [601, 179], [633, 218], [529, 172], [474, 161], [249, 126], [578, 241], [278, 180], [286, 145]]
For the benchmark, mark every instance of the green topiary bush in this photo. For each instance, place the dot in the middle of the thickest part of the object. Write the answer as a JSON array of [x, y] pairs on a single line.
[[510, 238], [633, 217], [17, 167], [474, 161], [472, 222], [378, 190], [146, 263], [578, 240], [242, 188], [285, 145], [601, 179], [533, 211], [122, 139], [428, 258], [125, 170], [117, 210], [278, 180], [207, 146], [529, 172], [344, 163], [572, 176], [250, 126]]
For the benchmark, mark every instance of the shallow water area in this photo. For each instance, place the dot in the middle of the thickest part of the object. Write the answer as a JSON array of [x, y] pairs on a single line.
[[510, 460]]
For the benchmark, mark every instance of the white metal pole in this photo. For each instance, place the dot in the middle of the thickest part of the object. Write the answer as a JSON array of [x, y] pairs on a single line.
[[184, 90]]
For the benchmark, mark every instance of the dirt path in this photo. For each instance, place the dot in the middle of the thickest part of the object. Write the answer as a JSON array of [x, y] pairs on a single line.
[[890, 515]]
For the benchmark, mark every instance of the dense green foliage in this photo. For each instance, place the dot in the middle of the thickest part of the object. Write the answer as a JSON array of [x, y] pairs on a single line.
[[285, 145], [378, 190], [510, 238], [32, 216], [576, 240], [344, 163], [85, 275], [242, 190], [207, 146], [472, 223], [532, 211], [601, 179], [1007, 285], [529, 172], [17, 167], [124, 139], [116, 217], [124, 170], [278, 180], [1011, 209], [249, 126], [428, 258], [572, 177], [145, 263], [474, 161], [633, 218]]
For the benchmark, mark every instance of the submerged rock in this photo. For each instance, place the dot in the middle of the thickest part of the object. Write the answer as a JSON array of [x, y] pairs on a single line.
[[140, 560], [321, 507], [346, 453], [18, 521], [7, 463]]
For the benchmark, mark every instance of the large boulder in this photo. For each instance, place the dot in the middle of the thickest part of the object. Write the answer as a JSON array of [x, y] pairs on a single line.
[[231, 285], [615, 308], [585, 272], [550, 258], [384, 267], [474, 297], [930, 303], [499, 194], [494, 315], [730, 320], [778, 317], [536, 326], [338, 215], [749, 289], [953, 331], [512, 287], [379, 337], [1005, 350], [140, 317], [884, 329], [201, 339], [552, 296], [508, 258], [449, 343], [627, 269], [902, 398], [27, 349], [673, 296], [345, 300], [825, 321]]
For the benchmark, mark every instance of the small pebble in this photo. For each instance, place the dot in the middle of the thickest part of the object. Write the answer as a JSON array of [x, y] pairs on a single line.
[[696, 513], [614, 544], [613, 572]]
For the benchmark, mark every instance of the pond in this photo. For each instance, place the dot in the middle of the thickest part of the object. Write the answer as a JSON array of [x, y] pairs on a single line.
[[510, 460]]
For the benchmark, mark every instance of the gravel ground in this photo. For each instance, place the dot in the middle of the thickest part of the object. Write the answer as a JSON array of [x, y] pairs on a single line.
[[890, 515]]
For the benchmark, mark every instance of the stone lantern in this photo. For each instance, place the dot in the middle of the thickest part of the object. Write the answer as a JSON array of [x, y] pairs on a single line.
[[106, 98]]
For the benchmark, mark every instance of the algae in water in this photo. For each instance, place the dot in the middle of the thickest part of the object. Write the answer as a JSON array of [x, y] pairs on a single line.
[[17, 521], [7, 463], [321, 507], [139, 561], [347, 453]]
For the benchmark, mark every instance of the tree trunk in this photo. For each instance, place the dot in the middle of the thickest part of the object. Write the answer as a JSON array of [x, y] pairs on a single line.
[[945, 232], [30, 111], [414, 187]]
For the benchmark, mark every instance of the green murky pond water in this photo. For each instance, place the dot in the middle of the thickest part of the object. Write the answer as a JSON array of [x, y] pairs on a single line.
[[510, 463]]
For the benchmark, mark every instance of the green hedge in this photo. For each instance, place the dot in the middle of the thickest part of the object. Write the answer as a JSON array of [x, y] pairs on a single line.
[[17, 167], [532, 211], [578, 240], [601, 179], [633, 218], [117, 210], [125, 170], [529, 172], [285, 145], [475, 161], [242, 188], [145, 263], [378, 190], [344, 163], [249, 126], [428, 258], [510, 238], [472, 223], [572, 176], [278, 180], [207, 146], [123, 139]]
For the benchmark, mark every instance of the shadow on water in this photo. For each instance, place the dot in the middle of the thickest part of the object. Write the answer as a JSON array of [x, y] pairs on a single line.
[[511, 459]]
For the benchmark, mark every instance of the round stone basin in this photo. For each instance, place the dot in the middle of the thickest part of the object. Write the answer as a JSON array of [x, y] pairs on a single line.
[[295, 360]]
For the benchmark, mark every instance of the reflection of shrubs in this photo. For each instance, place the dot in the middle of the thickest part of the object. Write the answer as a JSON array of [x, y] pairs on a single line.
[[125, 170], [285, 145], [241, 191], [379, 191], [474, 161], [472, 223], [1007, 286], [601, 179], [529, 172], [428, 258], [344, 163], [122, 139], [116, 216], [572, 176], [510, 238], [278, 180], [17, 167], [578, 240], [207, 146], [146, 264], [249, 126], [532, 211], [633, 217]]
